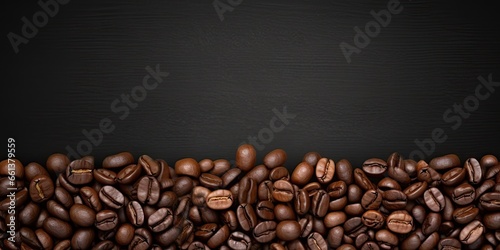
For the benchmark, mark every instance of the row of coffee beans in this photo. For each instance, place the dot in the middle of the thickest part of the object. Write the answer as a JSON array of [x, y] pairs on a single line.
[[124, 203]]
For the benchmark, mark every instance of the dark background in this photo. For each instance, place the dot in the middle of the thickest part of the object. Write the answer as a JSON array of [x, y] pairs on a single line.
[[227, 76]]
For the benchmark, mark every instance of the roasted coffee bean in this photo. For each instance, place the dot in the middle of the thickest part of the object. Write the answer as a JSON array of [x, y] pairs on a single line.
[[302, 202], [246, 216], [111, 197], [57, 228], [282, 191], [434, 199], [410, 167], [431, 223], [492, 220], [230, 177], [135, 213], [312, 188], [334, 237], [386, 239], [239, 240], [279, 173], [320, 203], [80, 172], [41, 188], [219, 237], [142, 240], [221, 166], [325, 170], [316, 242], [490, 201], [129, 174], [302, 174], [449, 244], [288, 230], [388, 184], [219, 199], [245, 157], [354, 193], [82, 215], [275, 158], [344, 172], [471, 232], [106, 220], [336, 189], [247, 192], [188, 167], [33, 169], [148, 190], [373, 219], [371, 200], [394, 200], [83, 238], [453, 176], [430, 242], [206, 165], [124, 234], [445, 162], [118, 160], [362, 180], [149, 165], [284, 212], [354, 226], [265, 210], [56, 163], [466, 214], [396, 169], [91, 198], [354, 209], [210, 181], [415, 190], [463, 194], [400, 222], [334, 219], [182, 186], [374, 167], [484, 187], [474, 170]]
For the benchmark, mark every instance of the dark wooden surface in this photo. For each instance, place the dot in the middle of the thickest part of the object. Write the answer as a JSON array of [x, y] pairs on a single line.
[[227, 76]]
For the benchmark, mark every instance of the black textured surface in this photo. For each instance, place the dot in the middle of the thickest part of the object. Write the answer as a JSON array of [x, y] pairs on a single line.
[[226, 77]]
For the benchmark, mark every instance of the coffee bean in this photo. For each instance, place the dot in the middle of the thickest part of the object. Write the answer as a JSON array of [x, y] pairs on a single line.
[[288, 230], [374, 167], [83, 238], [245, 157], [284, 212], [445, 162], [373, 219], [395, 200], [135, 213], [325, 170], [334, 219], [320, 203], [142, 240], [188, 167], [275, 158], [431, 223], [449, 243], [302, 202], [371, 200], [41, 188], [149, 165], [434, 199], [302, 173], [388, 183], [221, 166], [282, 191], [124, 234], [33, 169], [80, 172], [219, 199], [490, 201], [362, 180], [453, 176], [474, 170], [492, 220], [56, 163], [219, 237], [129, 174], [111, 197], [57, 228], [118, 160], [386, 239], [463, 194], [90, 198], [400, 222], [239, 240], [336, 189], [247, 192], [279, 173], [246, 216], [316, 241], [148, 190], [471, 232]]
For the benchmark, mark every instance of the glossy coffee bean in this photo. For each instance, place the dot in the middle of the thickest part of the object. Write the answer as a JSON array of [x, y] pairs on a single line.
[[374, 167], [400, 222], [219, 199], [245, 157], [471, 232], [288, 230], [320, 203], [188, 167], [490, 201], [148, 190], [395, 200], [33, 169], [316, 242], [239, 240], [463, 194], [302, 173], [124, 234], [488, 161], [118, 160], [111, 197], [275, 158], [106, 220], [83, 238], [474, 170], [282, 191], [41, 188], [82, 215], [325, 170], [334, 219], [362, 180], [57, 228], [373, 219], [246, 216], [279, 173], [247, 192], [343, 170], [129, 174], [80, 172], [149, 165], [57, 163], [142, 239], [445, 162], [431, 223], [135, 213], [388, 183], [434, 199], [210, 181], [302, 202], [284, 212], [371, 199]]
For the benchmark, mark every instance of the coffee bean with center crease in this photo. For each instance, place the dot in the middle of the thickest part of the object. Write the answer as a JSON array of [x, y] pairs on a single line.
[[279, 173], [474, 170], [434, 199], [79, 172], [135, 213], [248, 191], [111, 197], [388, 183], [142, 240], [41, 188], [415, 190], [362, 180], [302, 202], [320, 203], [394, 200], [386, 239], [239, 240], [316, 242], [354, 226], [373, 219], [210, 181], [449, 244], [374, 167], [282, 191], [431, 223], [325, 170], [265, 210], [91, 198], [371, 200], [490, 201], [148, 190], [466, 214], [149, 165], [400, 222], [219, 199], [336, 189], [246, 216], [265, 231], [106, 220], [129, 174], [453, 176], [219, 237], [471, 232], [463, 194]]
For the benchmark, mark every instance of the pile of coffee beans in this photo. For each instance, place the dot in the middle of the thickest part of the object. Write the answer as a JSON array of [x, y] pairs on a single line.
[[128, 203]]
